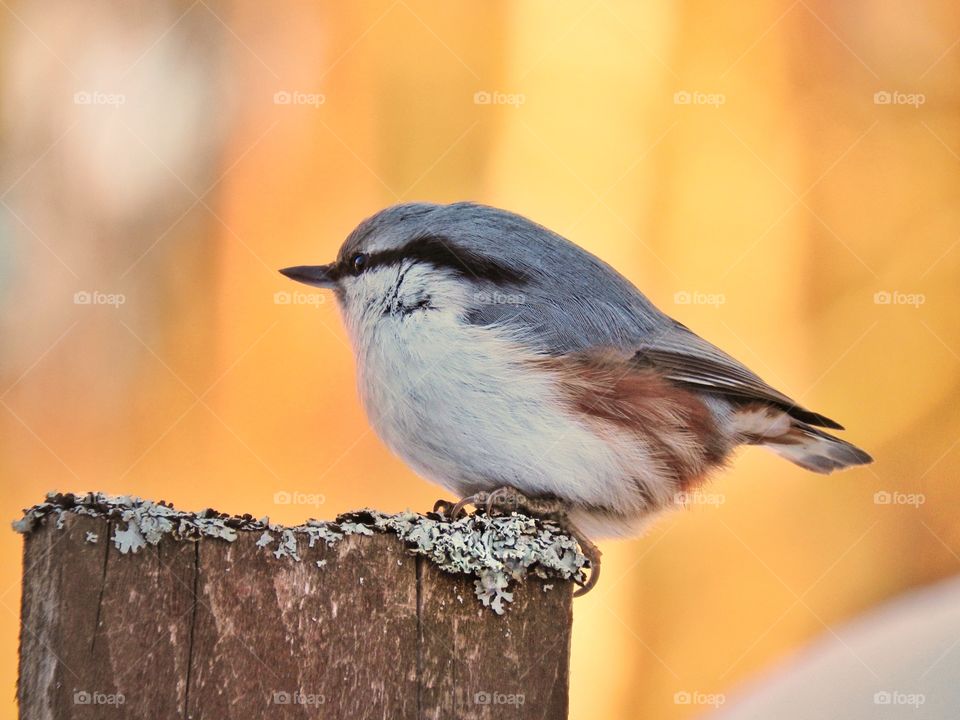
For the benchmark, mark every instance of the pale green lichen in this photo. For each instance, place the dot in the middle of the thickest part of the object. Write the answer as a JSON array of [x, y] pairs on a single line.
[[130, 539], [287, 546], [352, 528], [497, 551]]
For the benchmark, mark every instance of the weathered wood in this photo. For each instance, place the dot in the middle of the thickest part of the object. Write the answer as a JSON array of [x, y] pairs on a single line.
[[274, 638], [97, 624], [514, 667], [204, 628]]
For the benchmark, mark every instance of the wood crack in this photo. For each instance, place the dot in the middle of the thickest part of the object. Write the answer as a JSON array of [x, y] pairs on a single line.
[[193, 625], [103, 586]]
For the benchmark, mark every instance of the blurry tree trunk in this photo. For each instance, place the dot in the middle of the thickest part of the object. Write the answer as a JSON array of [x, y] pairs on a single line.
[[113, 146]]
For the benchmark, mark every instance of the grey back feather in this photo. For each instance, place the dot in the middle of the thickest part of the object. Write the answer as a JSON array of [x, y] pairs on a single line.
[[567, 300]]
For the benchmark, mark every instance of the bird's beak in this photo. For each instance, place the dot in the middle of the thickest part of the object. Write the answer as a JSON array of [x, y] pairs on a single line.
[[323, 276]]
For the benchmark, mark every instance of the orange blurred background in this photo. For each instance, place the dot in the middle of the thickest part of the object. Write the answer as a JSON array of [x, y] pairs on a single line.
[[781, 177]]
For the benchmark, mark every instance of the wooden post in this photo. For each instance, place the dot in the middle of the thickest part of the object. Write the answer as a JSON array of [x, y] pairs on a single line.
[[195, 626]]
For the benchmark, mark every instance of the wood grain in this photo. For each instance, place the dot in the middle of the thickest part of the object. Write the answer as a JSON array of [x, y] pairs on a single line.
[[224, 630]]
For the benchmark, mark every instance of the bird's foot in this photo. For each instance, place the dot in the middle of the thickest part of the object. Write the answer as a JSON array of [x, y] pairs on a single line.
[[590, 551], [478, 499], [502, 501], [506, 499]]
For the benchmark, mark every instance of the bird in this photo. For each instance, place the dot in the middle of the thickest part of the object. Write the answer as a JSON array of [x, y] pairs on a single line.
[[510, 366]]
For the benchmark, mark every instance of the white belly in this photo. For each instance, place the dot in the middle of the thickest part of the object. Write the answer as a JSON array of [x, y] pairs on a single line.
[[458, 404]]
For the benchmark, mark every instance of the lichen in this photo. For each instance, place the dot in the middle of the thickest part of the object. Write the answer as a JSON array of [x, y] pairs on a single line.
[[129, 540], [287, 546], [498, 551], [491, 588]]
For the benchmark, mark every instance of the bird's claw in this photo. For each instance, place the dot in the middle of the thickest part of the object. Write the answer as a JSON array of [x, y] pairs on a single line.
[[592, 553], [477, 499], [448, 509]]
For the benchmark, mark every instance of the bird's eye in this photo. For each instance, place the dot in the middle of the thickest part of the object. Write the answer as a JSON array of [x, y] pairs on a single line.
[[358, 262]]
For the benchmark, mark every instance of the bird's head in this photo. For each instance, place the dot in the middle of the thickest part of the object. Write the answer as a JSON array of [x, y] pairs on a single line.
[[422, 258]]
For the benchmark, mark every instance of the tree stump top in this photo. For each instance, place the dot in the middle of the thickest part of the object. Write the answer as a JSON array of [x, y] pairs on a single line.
[[133, 609], [496, 551]]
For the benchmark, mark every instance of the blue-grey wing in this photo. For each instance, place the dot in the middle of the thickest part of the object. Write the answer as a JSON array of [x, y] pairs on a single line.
[[570, 301], [687, 359], [572, 322]]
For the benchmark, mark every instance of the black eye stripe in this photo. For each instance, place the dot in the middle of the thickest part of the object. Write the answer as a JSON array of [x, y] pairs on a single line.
[[440, 253]]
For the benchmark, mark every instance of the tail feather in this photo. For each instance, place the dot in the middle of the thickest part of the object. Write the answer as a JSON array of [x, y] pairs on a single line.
[[795, 440], [816, 450]]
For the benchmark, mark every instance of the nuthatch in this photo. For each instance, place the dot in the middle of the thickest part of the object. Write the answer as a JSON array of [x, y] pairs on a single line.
[[517, 370]]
